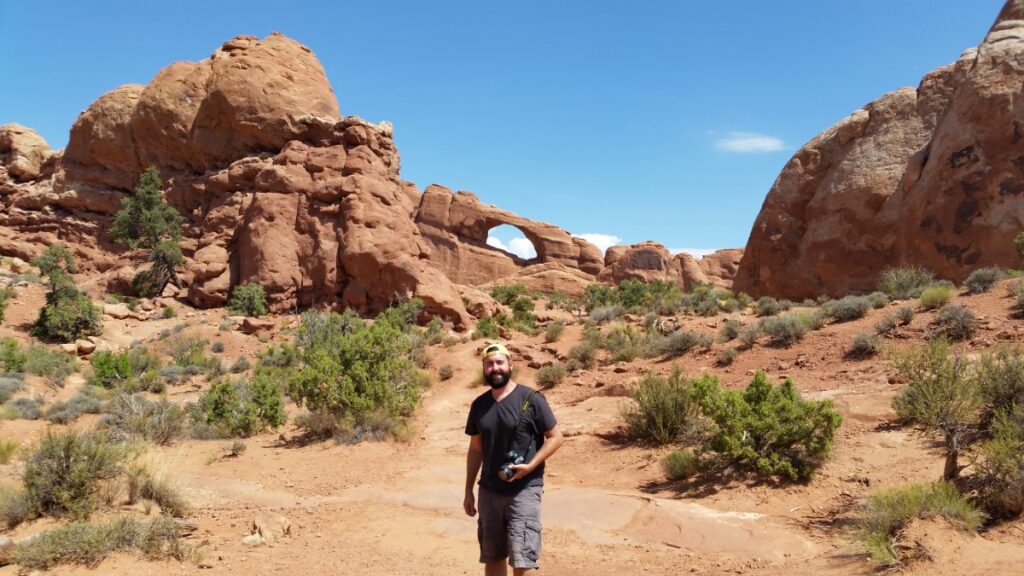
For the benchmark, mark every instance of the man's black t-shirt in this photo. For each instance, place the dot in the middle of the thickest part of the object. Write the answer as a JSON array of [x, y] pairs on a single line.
[[496, 422]]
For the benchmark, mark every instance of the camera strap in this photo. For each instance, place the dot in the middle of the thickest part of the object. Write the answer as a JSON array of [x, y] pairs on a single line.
[[523, 410]]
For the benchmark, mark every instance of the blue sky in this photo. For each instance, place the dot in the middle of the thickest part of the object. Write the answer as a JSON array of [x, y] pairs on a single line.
[[659, 120]]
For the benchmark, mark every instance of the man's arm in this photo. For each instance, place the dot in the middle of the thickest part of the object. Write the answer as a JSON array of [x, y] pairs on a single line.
[[552, 442], [474, 459]]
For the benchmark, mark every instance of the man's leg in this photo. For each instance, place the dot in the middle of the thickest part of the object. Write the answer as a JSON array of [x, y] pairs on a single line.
[[523, 572], [491, 532], [524, 531], [498, 568]]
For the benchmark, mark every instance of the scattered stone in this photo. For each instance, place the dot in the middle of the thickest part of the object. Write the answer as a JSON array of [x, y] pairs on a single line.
[[116, 311], [69, 348], [270, 526], [6, 550], [84, 347], [253, 540], [254, 325]]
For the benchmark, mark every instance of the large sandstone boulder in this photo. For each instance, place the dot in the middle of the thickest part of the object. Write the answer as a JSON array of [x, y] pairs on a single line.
[[455, 226], [23, 152], [650, 261], [928, 176]]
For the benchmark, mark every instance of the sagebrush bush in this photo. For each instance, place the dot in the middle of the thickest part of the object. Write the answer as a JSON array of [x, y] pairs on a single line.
[[878, 299], [748, 336], [15, 506], [768, 429], [1000, 469], [886, 324], [607, 313], [550, 375], [240, 365], [11, 355], [64, 474], [85, 402], [681, 464], [726, 357], [486, 327], [445, 372], [434, 333], [935, 297], [583, 355], [888, 511], [129, 416], [906, 282], [9, 386], [865, 346], [942, 396], [554, 331], [6, 293], [768, 306], [956, 323], [1000, 376], [88, 544], [730, 329], [248, 299], [53, 365], [905, 314], [682, 341], [847, 308], [24, 409], [982, 279], [784, 330], [663, 411]]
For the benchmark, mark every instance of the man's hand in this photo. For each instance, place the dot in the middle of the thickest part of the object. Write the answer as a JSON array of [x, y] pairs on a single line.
[[522, 471], [469, 504]]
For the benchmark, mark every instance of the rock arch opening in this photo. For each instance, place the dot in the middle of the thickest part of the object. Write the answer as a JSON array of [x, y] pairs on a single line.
[[513, 241]]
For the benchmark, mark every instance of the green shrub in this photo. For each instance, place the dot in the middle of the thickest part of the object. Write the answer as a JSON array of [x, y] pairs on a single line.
[[905, 282], [67, 412], [550, 375], [554, 331], [888, 511], [110, 368], [64, 474], [446, 372], [188, 351], [956, 323], [509, 293], [15, 506], [607, 313], [935, 297], [730, 330], [11, 355], [865, 346], [435, 333], [663, 410], [1000, 470], [682, 341], [680, 464], [982, 279], [1000, 375], [248, 299], [240, 365], [583, 355], [88, 544], [886, 324], [168, 312], [8, 387], [768, 306], [622, 341], [726, 357], [941, 396], [128, 416], [486, 327], [7, 449], [217, 347], [847, 308], [784, 330], [68, 314], [905, 314], [6, 293], [53, 365], [242, 408], [748, 336], [878, 299], [24, 409], [768, 429]]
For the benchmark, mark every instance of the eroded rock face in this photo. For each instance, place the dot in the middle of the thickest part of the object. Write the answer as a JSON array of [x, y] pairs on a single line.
[[650, 261], [24, 154], [456, 226], [929, 176]]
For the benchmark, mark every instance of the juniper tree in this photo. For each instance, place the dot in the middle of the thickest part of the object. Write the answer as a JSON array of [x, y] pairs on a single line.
[[68, 313], [146, 221]]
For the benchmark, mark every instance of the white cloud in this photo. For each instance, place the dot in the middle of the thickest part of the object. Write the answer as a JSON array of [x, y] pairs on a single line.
[[749, 142], [519, 246], [602, 241], [695, 252]]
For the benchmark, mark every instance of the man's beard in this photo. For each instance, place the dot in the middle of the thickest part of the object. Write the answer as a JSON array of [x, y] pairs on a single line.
[[498, 379]]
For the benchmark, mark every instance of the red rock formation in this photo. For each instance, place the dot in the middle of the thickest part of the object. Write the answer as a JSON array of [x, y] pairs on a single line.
[[928, 177], [456, 226], [650, 261]]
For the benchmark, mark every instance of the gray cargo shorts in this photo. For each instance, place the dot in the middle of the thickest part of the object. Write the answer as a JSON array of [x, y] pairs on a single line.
[[509, 526]]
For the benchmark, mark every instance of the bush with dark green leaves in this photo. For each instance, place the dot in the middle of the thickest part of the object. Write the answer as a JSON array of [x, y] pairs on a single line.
[[248, 299], [904, 283], [768, 429], [508, 293], [12, 357], [68, 313], [956, 323], [243, 408], [64, 474], [6, 293], [146, 221], [982, 279], [1000, 469], [663, 410], [486, 327], [362, 371]]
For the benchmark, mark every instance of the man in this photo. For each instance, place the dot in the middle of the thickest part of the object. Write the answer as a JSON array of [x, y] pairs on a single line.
[[509, 417]]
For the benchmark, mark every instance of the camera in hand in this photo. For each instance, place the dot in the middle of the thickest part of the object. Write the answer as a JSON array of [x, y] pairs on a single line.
[[511, 458]]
